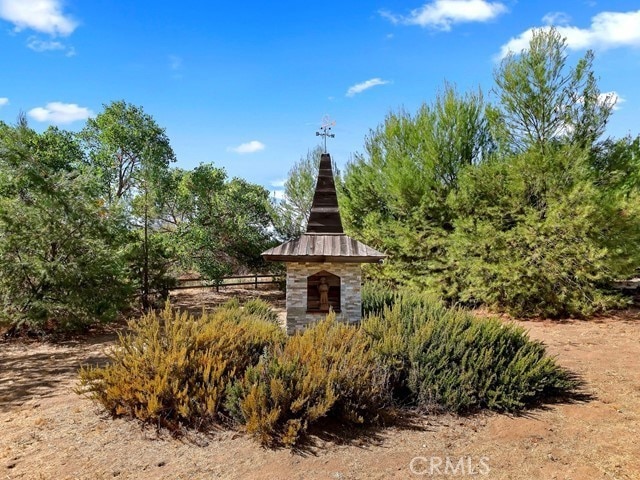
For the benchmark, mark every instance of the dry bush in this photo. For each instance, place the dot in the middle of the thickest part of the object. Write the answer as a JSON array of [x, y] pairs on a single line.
[[328, 370], [172, 369]]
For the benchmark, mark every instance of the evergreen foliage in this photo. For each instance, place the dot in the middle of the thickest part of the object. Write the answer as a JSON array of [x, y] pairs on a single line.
[[59, 267], [439, 358], [535, 236], [518, 205], [542, 100], [395, 198]]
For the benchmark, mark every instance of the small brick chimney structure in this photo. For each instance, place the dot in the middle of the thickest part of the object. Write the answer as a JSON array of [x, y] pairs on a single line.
[[324, 264]]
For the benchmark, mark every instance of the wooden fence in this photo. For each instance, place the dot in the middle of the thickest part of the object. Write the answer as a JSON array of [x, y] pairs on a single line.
[[233, 280]]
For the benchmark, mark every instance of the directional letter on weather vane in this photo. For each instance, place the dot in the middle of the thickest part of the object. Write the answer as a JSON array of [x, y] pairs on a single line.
[[325, 128]]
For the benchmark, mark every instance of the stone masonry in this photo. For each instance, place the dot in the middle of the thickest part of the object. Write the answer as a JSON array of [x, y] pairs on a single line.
[[350, 300]]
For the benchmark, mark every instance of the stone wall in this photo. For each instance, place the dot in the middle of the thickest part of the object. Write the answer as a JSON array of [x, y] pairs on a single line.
[[350, 300]]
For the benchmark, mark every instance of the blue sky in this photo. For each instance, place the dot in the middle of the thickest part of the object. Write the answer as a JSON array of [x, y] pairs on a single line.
[[245, 85]]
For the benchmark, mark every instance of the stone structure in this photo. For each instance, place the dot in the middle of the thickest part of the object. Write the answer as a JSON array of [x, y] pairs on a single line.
[[323, 255], [298, 273]]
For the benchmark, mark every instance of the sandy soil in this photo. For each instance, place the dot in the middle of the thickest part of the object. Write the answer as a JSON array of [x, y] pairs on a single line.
[[47, 431]]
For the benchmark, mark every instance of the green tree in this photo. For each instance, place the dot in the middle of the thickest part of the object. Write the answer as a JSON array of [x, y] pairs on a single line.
[[615, 166], [131, 154], [220, 226], [395, 197], [126, 145], [542, 100], [541, 230], [58, 265], [545, 228], [534, 235]]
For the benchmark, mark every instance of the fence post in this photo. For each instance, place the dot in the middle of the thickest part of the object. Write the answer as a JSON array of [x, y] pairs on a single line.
[[256, 282]]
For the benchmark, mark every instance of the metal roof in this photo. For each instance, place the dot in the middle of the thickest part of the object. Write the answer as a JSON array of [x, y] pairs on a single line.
[[324, 248], [324, 240]]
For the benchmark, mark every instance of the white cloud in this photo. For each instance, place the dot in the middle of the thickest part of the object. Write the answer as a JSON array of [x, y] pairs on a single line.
[[361, 87], [44, 16], [38, 45], [516, 44], [442, 14], [59, 113], [278, 194], [611, 98], [4, 101], [279, 183], [607, 30], [249, 147], [556, 18]]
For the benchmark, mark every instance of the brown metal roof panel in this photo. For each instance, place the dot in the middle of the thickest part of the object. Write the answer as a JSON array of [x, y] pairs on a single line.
[[313, 227], [352, 247], [311, 247], [335, 245], [288, 248], [344, 245], [321, 259], [302, 246]]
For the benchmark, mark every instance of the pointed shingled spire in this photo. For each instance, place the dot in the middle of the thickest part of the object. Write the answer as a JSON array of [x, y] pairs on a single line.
[[325, 216], [324, 240]]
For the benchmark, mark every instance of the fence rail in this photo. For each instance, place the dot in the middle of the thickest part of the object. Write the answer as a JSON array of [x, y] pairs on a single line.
[[230, 281]]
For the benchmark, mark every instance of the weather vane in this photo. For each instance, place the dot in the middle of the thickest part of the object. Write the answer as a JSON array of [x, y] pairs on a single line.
[[325, 128]]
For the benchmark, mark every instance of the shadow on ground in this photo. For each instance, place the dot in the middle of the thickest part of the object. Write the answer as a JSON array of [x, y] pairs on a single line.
[[29, 370]]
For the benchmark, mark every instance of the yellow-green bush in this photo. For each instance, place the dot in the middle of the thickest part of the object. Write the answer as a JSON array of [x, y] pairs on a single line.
[[441, 358], [172, 369], [328, 370], [261, 309]]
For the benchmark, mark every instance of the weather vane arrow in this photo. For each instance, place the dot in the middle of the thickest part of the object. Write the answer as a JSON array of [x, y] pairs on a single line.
[[325, 130]]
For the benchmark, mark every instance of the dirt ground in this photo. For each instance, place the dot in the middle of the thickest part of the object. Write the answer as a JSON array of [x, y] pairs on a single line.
[[47, 431]]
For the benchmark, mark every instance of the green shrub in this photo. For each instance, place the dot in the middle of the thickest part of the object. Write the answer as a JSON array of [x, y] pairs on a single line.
[[261, 309], [328, 370], [376, 295], [232, 304], [172, 370], [445, 359], [558, 262]]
